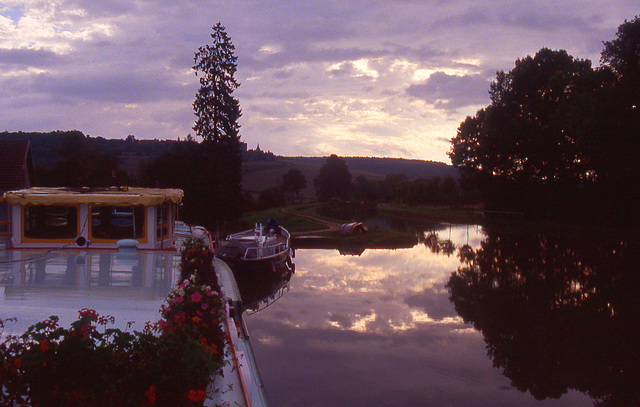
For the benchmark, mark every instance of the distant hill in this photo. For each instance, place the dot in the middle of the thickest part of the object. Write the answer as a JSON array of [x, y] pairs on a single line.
[[131, 154], [413, 169], [42, 144], [258, 175], [260, 169]]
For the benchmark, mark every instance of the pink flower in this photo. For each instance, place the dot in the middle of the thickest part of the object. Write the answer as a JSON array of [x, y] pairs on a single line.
[[196, 297], [179, 300], [204, 306]]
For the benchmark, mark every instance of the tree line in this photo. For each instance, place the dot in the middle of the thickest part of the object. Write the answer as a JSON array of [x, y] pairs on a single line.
[[334, 183], [560, 138]]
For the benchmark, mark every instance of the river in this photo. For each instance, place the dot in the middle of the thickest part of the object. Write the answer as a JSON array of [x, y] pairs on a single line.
[[467, 317], [378, 328]]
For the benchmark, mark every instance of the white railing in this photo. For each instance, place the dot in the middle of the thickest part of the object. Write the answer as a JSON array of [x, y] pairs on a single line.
[[262, 252]]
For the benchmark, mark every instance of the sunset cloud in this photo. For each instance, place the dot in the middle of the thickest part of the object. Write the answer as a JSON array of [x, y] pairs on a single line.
[[387, 78]]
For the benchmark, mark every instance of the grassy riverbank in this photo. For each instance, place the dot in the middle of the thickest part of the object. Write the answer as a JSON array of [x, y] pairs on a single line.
[[309, 229], [312, 230]]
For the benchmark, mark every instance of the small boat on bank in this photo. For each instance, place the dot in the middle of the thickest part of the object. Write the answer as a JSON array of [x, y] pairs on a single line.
[[263, 249], [106, 245]]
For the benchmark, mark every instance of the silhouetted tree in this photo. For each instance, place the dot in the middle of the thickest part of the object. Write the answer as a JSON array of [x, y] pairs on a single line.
[[623, 56], [183, 167], [618, 153], [293, 181], [217, 123], [394, 186], [271, 197], [80, 164], [366, 189], [333, 180], [526, 141]]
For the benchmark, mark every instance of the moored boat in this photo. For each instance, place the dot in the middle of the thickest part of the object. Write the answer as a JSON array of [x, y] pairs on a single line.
[[107, 245], [263, 249]]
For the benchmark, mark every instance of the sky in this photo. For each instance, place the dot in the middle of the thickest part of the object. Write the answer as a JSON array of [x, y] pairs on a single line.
[[383, 78]]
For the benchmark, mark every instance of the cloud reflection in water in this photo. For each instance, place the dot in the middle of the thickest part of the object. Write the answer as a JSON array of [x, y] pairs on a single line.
[[378, 330]]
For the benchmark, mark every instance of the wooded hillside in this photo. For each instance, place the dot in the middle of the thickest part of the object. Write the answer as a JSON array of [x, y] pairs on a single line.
[[259, 169]]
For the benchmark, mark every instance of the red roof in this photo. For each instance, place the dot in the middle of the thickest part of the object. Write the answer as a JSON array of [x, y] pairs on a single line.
[[16, 167]]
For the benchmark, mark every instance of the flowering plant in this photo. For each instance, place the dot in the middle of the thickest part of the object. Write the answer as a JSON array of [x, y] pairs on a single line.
[[92, 365], [196, 259], [196, 311]]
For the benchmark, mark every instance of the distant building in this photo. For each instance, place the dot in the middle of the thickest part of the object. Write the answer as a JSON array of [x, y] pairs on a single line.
[[16, 172]]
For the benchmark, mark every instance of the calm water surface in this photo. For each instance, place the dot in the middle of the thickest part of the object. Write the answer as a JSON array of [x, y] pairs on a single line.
[[558, 317], [379, 329], [35, 284]]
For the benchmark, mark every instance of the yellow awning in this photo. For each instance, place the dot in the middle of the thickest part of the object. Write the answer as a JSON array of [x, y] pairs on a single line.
[[122, 196]]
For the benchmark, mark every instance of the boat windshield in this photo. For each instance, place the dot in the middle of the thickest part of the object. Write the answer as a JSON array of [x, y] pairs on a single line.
[[50, 222], [117, 222]]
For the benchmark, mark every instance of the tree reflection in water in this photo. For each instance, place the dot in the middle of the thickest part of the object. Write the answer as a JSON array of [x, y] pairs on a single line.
[[556, 313]]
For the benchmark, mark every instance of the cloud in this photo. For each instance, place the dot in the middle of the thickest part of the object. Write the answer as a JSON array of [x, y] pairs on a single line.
[[434, 303], [392, 77], [24, 58], [451, 92]]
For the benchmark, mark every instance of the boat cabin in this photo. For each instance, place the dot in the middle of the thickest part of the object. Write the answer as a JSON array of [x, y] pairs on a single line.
[[100, 217]]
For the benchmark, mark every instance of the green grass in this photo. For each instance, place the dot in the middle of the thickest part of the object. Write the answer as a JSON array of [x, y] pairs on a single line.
[[294, 219], [432, 213], [377, 238], [291, 222]]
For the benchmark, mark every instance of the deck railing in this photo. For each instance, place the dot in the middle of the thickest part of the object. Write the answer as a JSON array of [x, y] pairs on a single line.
[[261, 252]]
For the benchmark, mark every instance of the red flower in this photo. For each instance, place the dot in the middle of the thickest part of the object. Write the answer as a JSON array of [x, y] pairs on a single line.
[[44, 346], [85, 331], [86, 312], [151, 394], [197, 396]]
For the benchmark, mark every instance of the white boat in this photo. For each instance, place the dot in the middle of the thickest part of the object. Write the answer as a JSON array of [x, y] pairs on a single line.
[[112, 246], [263, 249]]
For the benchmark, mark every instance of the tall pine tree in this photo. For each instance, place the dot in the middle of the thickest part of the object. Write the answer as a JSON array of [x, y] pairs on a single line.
[[219, 192]]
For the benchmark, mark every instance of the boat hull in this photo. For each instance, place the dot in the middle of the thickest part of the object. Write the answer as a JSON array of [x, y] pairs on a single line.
[[258, 279]]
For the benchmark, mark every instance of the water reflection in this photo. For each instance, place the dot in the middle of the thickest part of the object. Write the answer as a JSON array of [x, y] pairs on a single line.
[[379, 330], [557, 313], [35, 284]]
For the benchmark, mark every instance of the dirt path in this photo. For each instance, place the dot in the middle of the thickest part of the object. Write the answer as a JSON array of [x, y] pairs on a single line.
[[330, 226]]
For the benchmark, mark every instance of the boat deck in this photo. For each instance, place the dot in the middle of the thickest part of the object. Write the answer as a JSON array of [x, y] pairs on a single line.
[[240, 384], [249, 247]]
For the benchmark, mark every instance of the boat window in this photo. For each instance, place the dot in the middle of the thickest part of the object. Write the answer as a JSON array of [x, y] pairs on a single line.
[[50, 222], [117, 222], [162, 222]]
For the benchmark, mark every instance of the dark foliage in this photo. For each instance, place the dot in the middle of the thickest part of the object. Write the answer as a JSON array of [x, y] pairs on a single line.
[[560, 139], [333, 180], [217, 114], [271, 197], [80, 163], [293, 181]]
